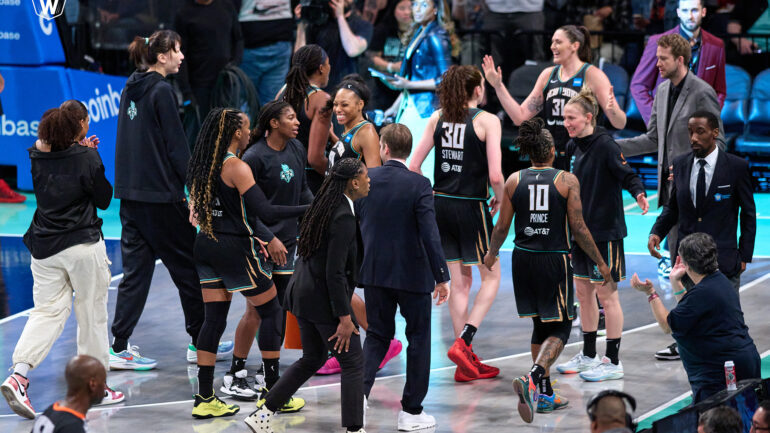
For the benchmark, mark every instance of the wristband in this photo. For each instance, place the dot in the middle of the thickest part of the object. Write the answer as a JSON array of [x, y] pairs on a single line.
[[680, 292], [654, 295]]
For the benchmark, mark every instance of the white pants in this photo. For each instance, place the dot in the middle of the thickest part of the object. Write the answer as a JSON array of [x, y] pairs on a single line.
[[82, 270]]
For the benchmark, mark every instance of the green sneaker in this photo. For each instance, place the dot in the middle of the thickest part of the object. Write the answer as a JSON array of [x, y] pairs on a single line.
[[550, 403], [212, 407], [293, 405]]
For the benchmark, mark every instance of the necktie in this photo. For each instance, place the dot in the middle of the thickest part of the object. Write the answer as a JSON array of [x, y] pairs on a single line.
[[700, 185]]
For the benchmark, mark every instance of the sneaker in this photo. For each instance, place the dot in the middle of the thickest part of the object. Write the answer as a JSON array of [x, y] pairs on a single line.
[[670, 353], [462, 355], [461, 376], [130, 359], [550, 403], [7, 195], [604, 371], [14, 390], [238, 387], [526, 389], [224, 351], [579, 363], [393, 350], [260, 421], [293, 405], [485, 371], [332, 366], [212, 407], [259, 378], [664, 267], [409, 422], [111, 396]]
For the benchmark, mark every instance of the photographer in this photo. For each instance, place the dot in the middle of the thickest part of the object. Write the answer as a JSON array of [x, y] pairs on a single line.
[[341, 32]]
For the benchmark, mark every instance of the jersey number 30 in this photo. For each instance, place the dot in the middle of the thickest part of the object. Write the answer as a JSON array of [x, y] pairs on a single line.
[[538, 198], [454, 135]]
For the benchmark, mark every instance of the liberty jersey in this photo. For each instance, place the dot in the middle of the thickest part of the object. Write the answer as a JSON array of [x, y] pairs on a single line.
[[540, 221], [556, 94], [228, 213], [344, 147], [461, 168]]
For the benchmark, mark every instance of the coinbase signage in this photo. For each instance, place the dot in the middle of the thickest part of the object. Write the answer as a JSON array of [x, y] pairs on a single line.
[[29, 38]]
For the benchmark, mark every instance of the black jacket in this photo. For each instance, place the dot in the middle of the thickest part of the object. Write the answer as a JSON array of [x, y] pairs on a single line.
[[322, 285], [151, 152], [603, 173], [69, 186], [729, 190]]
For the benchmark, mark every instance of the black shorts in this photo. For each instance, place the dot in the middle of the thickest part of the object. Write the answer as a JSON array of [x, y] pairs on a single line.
[[233, 263], [542, 284], [288, 268], [612, 252], [465, 227]]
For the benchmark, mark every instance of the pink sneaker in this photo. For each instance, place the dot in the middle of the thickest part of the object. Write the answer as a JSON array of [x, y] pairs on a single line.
[[332, 366], [111, 396], [393, 351], [14, 390]]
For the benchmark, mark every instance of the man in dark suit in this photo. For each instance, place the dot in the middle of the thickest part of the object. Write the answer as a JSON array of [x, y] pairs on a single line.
[[403, 262], [710, 189]]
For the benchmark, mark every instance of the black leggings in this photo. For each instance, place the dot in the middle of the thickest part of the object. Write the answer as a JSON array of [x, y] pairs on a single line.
[[543, 330], [216, 321]]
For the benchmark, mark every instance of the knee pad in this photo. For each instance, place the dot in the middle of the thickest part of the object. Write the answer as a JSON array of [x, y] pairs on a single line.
[[271, 327], [213, 326]]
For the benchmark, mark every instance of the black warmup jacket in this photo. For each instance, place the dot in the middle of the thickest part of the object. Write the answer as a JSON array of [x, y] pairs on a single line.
[[151, 151], [599, 165]]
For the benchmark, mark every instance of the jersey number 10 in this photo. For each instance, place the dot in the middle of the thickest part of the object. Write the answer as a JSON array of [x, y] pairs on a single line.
[[538, 198], [454, 135]]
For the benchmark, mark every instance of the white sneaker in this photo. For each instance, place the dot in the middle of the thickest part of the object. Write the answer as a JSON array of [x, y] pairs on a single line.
[[224, 351], [14, 390], [237, 387], [409, 422], [259, 378], [604, 371], [260, 421], [111, 396], [578, 364]]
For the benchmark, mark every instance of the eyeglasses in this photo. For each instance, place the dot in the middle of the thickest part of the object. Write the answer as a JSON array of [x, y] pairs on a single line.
[[756, 427]]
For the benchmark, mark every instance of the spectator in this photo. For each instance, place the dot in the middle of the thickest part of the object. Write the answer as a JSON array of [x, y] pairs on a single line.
[[601, 15], [85, 386], [371, 10], [707, 58], [750, 16], [268, 33], [344, 36], [707, 324], [761, 419], [388, 49], [470, 16], [720, 419], [432, 43], [608, 412]]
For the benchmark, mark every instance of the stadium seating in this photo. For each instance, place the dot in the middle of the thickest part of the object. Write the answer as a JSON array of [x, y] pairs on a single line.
[[736, 102], [619, 80], [756, 139]]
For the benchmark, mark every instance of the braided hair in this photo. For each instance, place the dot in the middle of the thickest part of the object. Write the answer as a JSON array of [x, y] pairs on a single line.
[[271, 110], [206, 163], [304, 63], [316, 222], [534, 140]]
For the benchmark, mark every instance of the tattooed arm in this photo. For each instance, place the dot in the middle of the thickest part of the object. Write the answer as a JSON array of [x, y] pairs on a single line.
[[530, 107], [578, 226]]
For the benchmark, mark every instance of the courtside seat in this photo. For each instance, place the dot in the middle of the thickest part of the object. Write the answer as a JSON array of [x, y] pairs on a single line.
[[756, 140], [634, 122], [736, 103]]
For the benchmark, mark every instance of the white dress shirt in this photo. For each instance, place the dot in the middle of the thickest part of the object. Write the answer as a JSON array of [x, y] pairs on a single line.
[[352, 209], [711, 162]]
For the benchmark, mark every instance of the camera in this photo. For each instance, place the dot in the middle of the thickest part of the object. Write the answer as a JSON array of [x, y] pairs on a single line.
[[315, 12]]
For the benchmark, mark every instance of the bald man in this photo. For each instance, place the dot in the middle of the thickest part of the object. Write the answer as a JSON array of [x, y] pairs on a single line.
[[85, 387], [610, 416]]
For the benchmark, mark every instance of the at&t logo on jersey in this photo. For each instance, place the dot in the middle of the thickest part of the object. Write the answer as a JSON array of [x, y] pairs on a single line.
[[529, 231]]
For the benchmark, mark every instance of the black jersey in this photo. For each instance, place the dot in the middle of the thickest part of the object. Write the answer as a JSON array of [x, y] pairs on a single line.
[[59, 419], [281, 176], [541, 212], [303, 135], [344, 147], [228, 213], [461, 168], [556, 94]]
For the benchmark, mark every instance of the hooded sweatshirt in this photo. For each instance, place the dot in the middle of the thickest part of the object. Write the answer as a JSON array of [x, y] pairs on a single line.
[[69, 186], [603, 173], [151, 152]]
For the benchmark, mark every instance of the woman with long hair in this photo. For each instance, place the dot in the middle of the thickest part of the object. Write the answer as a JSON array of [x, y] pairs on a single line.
[[68, 253], [359, 138], [319, 296], [467, 163], [223, 195], [308, 75], [603, 173], [388, 47], [571, 50]]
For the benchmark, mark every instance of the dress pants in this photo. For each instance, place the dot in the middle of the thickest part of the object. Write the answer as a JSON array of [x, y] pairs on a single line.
[[415, 307], [150, 231], [315, 347]]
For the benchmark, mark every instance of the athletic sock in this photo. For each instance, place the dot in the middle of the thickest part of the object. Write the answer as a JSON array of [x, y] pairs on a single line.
[[271, 372], [589, 344], [536, 373], [21, 368], [613, 347], [545, 386], [468, 332], [237, 365], [355, 427], [206, 380], [119, 344]]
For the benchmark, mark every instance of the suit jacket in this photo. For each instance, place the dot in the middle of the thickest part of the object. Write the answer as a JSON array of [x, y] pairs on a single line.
[[402, 247], [696, 95], [322, 285], [711, 69], [730, 190]]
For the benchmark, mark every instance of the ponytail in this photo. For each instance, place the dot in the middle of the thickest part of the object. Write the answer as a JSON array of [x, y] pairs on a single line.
[[535, 141], [304, 63], [456, 89], [581, 35], [271, 110], [144, 51], [59, 128]]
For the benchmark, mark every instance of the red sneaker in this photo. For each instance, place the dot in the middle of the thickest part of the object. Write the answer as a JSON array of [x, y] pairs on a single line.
[[14, 390], [393, 350], [332, 366], [111, 396], [461, 354], [485, 371], [462, 377], [7, 195]]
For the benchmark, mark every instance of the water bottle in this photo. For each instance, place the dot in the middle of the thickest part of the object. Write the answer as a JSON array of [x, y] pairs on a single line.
[[730, 376]]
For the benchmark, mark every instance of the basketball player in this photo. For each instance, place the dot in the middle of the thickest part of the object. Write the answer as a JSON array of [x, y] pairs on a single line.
[[546, 204], [467, 141]]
